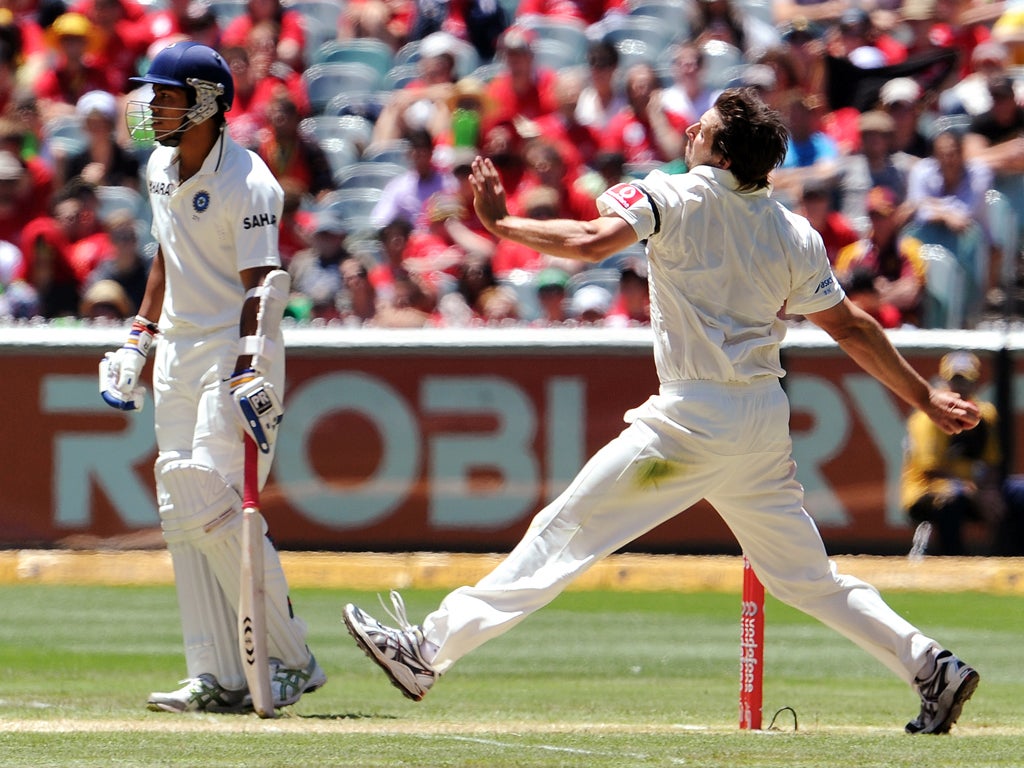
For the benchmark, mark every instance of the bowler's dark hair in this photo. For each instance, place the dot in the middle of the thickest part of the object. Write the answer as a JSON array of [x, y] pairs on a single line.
[[752, 136]]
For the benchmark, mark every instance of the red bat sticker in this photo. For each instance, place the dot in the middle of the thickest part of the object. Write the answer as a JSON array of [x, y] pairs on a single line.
[[625, 195]]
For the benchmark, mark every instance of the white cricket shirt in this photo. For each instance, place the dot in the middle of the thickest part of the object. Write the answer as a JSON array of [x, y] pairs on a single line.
[[211, 227], [722, 263]]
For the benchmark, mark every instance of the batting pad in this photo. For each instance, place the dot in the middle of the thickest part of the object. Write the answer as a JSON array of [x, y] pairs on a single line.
[[286, 635], [208, 621], [206, 514]]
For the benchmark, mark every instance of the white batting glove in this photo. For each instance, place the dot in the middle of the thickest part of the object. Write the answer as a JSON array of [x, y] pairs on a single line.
[[120, 371], [257, 407]]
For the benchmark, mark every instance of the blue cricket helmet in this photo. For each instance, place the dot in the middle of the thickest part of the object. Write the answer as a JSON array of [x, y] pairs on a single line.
[[191, 65]]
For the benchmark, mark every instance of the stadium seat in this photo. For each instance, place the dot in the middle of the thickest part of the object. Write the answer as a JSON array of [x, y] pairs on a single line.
[[758, 9], [466, 57], [557, 54], [970, 250], [932, 126], [339, 153], [633, 51], [1004, 228], [366, 174], [654, 33], [354, 129], [362, 50], [721, 60], [353, 206], [552, 28], [487, 72], [319, 22], [396, 151], [364, 104], [324, 81], [226, 10], [670, 13], [943, 305], [400, 76], [65, 134]]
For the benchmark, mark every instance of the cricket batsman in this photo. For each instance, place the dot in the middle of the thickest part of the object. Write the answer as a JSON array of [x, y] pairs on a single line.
[[211, 318]]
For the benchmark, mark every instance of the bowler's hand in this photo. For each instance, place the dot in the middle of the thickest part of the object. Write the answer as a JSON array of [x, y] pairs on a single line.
[[488, 192], [951, 412]]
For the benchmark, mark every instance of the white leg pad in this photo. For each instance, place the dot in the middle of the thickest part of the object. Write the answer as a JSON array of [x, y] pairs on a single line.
[[208, 621], [208, 516], [286, 634]]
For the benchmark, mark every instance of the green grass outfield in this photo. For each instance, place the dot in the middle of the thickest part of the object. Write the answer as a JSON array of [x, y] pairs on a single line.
[[599, 678]]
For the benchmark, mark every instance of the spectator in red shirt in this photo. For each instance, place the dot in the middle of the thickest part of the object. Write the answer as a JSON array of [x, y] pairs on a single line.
[[587, 11], [643, 131], [816, 204], [14, 191], [523, 89], [539, 202], [394, 237], [578, 143], [289, 38], [36, 185], [76, 210], [547, 168], [52, 285], [124, 36], [295, 229], [75, 72], [288, 153], [600, 98], [191, 19], [258, 77], [631, 305]]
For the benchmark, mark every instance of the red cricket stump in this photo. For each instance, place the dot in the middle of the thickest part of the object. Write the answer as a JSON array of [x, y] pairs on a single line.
[[751, 650]]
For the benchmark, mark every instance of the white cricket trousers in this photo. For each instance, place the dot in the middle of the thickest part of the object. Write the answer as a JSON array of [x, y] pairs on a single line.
[[727, 443]]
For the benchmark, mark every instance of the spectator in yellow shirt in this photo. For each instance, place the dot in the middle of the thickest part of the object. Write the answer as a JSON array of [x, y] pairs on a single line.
[[949, 480]]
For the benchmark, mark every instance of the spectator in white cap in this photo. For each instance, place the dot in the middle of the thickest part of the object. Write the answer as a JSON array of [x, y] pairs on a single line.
[[901, 97], [591, 304], [103, 161], [971, 95], [414, 105]]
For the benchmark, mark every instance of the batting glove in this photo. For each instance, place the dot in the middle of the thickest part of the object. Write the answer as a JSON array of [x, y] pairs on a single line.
[[120, 371], [257, 407]]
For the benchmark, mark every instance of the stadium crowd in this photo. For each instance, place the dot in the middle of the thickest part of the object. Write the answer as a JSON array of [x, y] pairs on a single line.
[[906, 148]]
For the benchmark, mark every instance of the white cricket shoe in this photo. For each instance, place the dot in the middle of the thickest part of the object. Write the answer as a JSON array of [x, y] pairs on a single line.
[[202, 693], [943, 694], [288, 684], [396, 651]]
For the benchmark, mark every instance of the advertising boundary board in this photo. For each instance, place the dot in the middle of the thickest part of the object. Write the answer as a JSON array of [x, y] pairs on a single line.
[[450, 439]]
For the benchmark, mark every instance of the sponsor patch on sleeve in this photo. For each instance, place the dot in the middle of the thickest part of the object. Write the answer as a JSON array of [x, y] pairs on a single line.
[[625, 195]]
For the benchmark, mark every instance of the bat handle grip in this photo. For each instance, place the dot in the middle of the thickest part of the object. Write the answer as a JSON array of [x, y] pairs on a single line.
[[251, 478]]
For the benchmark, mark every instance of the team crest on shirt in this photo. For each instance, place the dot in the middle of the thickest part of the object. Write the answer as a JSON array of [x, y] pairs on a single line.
[[201, 201]]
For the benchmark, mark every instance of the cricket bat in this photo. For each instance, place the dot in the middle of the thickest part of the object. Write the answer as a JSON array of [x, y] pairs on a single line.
[[252, 602]]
